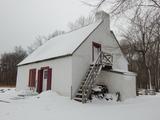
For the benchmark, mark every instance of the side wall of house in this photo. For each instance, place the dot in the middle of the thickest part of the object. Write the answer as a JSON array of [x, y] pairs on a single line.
[[61, 75], [81, 60], [82, 57]]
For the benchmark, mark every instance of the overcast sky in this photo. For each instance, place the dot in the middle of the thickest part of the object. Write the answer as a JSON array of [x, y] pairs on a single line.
[[21, 21]]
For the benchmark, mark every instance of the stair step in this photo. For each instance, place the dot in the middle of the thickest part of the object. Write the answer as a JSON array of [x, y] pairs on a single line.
[[80, 90], [79, 94], [91, 64], [81, 84], [78, 99]]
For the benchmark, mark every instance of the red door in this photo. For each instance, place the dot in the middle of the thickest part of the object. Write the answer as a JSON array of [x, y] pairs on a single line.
[[40, 83]]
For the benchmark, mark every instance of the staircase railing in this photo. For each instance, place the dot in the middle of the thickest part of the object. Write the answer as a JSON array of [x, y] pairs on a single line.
[[87, 87], [107, 59], [102, 59]]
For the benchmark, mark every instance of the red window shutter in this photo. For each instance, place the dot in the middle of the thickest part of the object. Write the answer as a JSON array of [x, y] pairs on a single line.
[[32, 77], [40, 82], [49, 81], [29, 84]]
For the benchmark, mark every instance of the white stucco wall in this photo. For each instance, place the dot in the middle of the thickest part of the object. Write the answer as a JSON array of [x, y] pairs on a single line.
[[81, 60], [116, 82], [61, 75], [82, 57]]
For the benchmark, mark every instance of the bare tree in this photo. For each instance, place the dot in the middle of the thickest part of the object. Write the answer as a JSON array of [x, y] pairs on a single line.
[[80, 22], [143, 38], [41, 39], [35, 45], [121, 6], [8, 65], [54, 34]]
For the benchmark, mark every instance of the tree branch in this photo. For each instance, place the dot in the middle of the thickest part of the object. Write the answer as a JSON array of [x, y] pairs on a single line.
[[156, 3]]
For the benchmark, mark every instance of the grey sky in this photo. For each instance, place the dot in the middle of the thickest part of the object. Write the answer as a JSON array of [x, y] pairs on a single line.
[[21, 21]]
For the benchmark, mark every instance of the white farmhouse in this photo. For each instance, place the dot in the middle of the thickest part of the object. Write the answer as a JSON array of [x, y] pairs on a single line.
[[71, 64]]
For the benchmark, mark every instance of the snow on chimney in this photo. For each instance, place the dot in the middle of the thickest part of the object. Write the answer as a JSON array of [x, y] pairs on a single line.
[[101, 15]]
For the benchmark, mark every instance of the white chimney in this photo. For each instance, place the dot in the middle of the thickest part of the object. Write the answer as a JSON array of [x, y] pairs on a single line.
[[101, 15]]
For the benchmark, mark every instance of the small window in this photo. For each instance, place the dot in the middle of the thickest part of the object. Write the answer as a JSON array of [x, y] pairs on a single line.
[[45, 74]]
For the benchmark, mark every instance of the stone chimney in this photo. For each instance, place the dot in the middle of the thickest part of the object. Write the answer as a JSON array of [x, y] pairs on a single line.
[[101, 15]]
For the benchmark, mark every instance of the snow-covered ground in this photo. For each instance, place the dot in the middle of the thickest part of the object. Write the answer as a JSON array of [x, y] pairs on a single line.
[[51, 106]]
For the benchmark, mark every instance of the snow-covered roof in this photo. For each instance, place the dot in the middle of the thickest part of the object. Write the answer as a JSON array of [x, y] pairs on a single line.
[[61, 45]]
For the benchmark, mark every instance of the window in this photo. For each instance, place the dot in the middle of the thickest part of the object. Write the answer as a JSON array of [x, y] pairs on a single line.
[[45, 74], [32, 77]]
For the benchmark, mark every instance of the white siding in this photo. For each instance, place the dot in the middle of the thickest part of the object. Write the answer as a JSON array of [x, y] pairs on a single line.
[[81, 60], [61, 74]]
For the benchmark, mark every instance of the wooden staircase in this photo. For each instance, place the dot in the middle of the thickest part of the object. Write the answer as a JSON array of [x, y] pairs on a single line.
[[78, 96], [88, 82]]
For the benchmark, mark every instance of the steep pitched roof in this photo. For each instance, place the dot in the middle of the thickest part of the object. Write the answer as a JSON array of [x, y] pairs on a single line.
[[61, 45]]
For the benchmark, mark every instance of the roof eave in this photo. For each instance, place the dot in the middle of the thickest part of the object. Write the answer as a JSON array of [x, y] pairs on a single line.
[[67, 55]]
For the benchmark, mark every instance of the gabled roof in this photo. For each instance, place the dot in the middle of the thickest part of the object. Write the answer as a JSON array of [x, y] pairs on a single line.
[[62, 45]]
